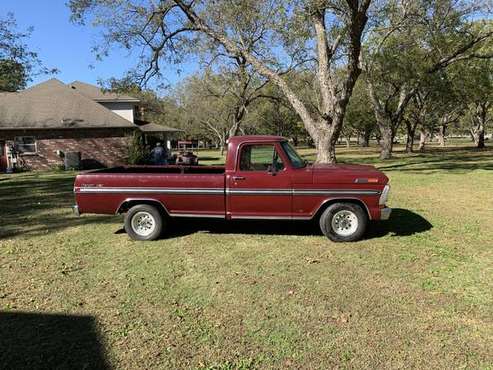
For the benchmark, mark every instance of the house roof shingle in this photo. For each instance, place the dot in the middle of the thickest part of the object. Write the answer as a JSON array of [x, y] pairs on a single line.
[[52, 104], [149, 128], [96, 94]]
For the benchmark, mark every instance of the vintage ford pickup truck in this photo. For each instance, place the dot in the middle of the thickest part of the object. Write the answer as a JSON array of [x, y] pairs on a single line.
[[263, 178]]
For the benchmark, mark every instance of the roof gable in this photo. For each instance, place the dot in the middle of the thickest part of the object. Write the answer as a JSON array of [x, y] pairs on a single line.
[[52, 104]]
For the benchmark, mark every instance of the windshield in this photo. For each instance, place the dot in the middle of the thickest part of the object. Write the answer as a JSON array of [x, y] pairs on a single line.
[[294, 157]]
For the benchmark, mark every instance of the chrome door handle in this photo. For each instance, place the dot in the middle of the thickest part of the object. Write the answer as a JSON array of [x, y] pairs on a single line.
[[237, 178]]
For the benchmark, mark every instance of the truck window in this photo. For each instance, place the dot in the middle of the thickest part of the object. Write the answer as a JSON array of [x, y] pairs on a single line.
[[260, 158], [294, 157]]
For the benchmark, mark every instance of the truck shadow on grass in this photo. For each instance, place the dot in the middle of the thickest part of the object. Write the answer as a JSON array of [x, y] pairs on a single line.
[[403, 222], [47, 341]]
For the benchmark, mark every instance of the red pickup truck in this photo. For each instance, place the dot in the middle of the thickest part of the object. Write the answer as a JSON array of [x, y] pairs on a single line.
[[264, 178]]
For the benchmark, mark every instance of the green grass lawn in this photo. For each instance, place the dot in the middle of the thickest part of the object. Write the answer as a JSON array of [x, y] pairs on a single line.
[[416, 293]]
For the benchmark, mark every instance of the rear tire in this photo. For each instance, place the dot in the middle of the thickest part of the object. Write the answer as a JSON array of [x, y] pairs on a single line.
[[344, 222], [144, 222]]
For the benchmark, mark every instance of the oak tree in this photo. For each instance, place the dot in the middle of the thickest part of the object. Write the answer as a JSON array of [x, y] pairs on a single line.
[[324, 35]]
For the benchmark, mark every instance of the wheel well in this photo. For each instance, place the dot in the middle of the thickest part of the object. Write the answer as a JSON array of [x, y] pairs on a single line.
[[329, 202], [127, 204]]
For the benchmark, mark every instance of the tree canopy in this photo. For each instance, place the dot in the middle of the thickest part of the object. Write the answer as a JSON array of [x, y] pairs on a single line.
[[17, 62], [308, 55]]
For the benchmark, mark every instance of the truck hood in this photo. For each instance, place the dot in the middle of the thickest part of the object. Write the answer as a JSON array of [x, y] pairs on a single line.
[[347, 174]]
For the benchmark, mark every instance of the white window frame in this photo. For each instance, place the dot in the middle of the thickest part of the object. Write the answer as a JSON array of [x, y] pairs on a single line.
[[35, 144]]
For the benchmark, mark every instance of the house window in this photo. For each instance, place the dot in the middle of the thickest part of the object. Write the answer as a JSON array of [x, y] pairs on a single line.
[[25, 144]]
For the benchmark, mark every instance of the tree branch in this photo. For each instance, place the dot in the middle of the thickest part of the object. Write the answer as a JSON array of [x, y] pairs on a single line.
[[311, 124]]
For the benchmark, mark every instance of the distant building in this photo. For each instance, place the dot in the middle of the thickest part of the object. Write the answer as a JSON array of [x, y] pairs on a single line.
[[47, 120]]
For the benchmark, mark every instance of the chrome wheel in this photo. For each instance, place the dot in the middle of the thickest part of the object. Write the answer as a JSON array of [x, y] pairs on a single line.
[[143, 223], [345, 223]]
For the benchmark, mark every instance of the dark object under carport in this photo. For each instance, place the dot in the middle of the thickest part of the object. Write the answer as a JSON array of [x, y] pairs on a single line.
[[72, 161]]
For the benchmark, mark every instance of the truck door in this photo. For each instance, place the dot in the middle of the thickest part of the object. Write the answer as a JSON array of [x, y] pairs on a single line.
[[260, 187]]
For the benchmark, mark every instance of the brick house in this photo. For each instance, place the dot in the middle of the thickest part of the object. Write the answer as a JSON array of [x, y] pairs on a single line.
[[47, 120]]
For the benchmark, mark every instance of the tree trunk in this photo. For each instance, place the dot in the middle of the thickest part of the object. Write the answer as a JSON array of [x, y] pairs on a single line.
[[441, 135], [325, 137], [387, 129], [235, 127], [479, 124], [388, 122], [478, 136], [365, 142], [222, 143], [410, 143], [481, 139], [423, 135], [364, 138], [386, 143], [411, 131], [325, 151]]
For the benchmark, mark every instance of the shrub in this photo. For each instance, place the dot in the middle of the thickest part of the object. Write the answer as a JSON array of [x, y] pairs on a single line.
[[137, 151]]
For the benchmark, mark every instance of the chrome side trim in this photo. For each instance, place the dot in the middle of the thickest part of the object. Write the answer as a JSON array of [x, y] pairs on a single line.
[[221, 191], [198, 215], [147, 190], [301, 192], [299, 218], [302, 218], [259, 191], [261, 217], [335, 192]]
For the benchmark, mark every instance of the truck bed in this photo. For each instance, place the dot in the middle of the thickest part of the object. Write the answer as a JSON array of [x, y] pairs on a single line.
[[161, 170], [181, 190]]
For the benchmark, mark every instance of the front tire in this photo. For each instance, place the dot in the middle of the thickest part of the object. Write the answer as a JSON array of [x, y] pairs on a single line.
[[144, 222], [344, 222]]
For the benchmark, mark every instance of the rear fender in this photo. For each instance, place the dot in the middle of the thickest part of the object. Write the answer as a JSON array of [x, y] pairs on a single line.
[[130, 202]]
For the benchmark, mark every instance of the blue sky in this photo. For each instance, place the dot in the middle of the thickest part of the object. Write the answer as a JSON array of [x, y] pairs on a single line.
[[66, 46]]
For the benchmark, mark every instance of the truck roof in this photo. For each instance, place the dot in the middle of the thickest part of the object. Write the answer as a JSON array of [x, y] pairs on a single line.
[[245, 138]]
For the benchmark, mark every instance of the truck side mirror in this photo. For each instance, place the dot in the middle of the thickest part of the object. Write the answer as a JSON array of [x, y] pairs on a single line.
[[272, 170]]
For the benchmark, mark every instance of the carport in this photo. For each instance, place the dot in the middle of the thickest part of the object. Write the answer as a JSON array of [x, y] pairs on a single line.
[[154, 133]]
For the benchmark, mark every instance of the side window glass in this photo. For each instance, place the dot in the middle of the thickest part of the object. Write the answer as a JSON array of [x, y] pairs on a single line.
[[260, 158]]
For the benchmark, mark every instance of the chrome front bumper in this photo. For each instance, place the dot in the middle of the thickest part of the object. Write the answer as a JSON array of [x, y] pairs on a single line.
[[75, 210], [385, 213]]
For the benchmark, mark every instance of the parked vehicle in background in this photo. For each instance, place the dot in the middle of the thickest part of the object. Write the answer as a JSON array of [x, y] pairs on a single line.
[[185, 154], [263, 178]]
